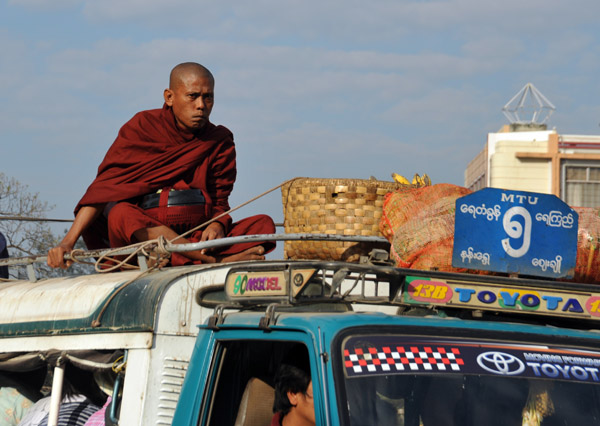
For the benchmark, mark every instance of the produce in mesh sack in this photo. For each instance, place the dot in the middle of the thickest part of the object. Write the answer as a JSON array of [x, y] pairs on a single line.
[[587, 267], [419, 223]]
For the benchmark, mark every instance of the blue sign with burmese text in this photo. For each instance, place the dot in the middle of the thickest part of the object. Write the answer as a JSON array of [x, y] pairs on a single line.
[[515, 232]]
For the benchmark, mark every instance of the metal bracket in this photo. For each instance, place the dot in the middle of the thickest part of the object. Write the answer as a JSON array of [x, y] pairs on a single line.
[[142, 263], [269, 319], [217, 318], [377, 257], [31, 273]]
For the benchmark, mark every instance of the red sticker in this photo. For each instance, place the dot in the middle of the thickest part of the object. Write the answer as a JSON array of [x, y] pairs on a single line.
[[593, 306]]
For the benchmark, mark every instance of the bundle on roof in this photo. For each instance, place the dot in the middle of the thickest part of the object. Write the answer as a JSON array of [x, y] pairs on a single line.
[[419, 223], [333, 206]]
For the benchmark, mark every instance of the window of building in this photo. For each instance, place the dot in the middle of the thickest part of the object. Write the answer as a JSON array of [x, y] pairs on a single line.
[[581, 184]]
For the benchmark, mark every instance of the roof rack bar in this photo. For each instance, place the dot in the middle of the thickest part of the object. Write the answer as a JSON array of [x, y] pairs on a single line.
[[221, 242], [273, 237]]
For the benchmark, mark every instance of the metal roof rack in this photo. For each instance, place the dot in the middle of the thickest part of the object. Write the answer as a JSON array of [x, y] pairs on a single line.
[[29, 261], [375, 282], [293, 283]]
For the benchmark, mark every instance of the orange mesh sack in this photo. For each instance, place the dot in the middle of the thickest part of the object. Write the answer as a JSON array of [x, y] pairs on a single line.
[[419, 223], [587, 267]]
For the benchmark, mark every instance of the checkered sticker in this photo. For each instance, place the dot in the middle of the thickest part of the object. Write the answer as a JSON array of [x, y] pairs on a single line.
[[406, 359]]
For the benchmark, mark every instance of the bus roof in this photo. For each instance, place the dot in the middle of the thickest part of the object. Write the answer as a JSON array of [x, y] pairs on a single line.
[[115, 302]]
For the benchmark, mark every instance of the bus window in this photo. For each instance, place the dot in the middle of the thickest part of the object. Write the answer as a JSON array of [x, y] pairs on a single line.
[[244, 376]]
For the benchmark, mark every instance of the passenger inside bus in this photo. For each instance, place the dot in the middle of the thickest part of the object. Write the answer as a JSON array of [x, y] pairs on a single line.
[[18, 393], [81, 397], [102, 417], [294, 404]]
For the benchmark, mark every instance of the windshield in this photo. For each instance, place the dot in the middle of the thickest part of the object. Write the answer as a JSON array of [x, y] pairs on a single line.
[[414, 381]]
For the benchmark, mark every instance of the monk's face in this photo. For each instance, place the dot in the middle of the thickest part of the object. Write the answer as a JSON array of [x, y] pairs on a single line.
[[192, 97]]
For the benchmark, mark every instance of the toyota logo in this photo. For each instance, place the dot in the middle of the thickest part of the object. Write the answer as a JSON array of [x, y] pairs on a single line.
[[500, 363]]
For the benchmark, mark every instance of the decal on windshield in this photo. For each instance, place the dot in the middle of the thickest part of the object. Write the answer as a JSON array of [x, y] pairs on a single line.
[[403, 358], [377, 355]]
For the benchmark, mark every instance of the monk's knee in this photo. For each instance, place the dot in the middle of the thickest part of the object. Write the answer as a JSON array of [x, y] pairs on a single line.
[[265, 222], [118, 213]]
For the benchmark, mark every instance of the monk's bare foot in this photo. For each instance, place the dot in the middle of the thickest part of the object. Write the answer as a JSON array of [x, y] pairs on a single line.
[[253, 253]]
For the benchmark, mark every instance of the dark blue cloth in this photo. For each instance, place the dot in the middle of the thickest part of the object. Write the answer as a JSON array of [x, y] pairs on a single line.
[[3, 255]]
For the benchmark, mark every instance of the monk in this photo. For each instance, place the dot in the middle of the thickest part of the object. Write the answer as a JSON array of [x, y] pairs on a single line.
[[168, 171]]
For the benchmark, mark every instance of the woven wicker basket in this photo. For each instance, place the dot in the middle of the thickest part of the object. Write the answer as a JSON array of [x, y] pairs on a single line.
[[333, 206]]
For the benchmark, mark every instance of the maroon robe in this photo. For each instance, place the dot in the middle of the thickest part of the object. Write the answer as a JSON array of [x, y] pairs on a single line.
[[152, 153], [277, 419]]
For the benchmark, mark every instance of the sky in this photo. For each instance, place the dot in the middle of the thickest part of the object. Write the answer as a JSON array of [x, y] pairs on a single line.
[[326, 89]]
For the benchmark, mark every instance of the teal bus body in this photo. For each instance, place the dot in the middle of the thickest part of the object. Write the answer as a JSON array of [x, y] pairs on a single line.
[[194, 343], [320, 332]]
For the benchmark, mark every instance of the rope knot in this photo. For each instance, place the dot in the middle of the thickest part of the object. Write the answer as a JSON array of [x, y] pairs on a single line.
[[157, 253], [161, 243]]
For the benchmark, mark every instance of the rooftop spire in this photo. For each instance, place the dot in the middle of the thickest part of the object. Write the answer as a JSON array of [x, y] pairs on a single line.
[[528, 106]]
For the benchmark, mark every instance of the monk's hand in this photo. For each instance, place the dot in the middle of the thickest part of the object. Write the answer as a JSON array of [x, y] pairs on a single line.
[[56, 256], [213, 231]]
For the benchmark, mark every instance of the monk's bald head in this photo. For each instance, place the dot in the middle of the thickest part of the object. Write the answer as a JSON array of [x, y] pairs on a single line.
[[191, 96], [186, 71]]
